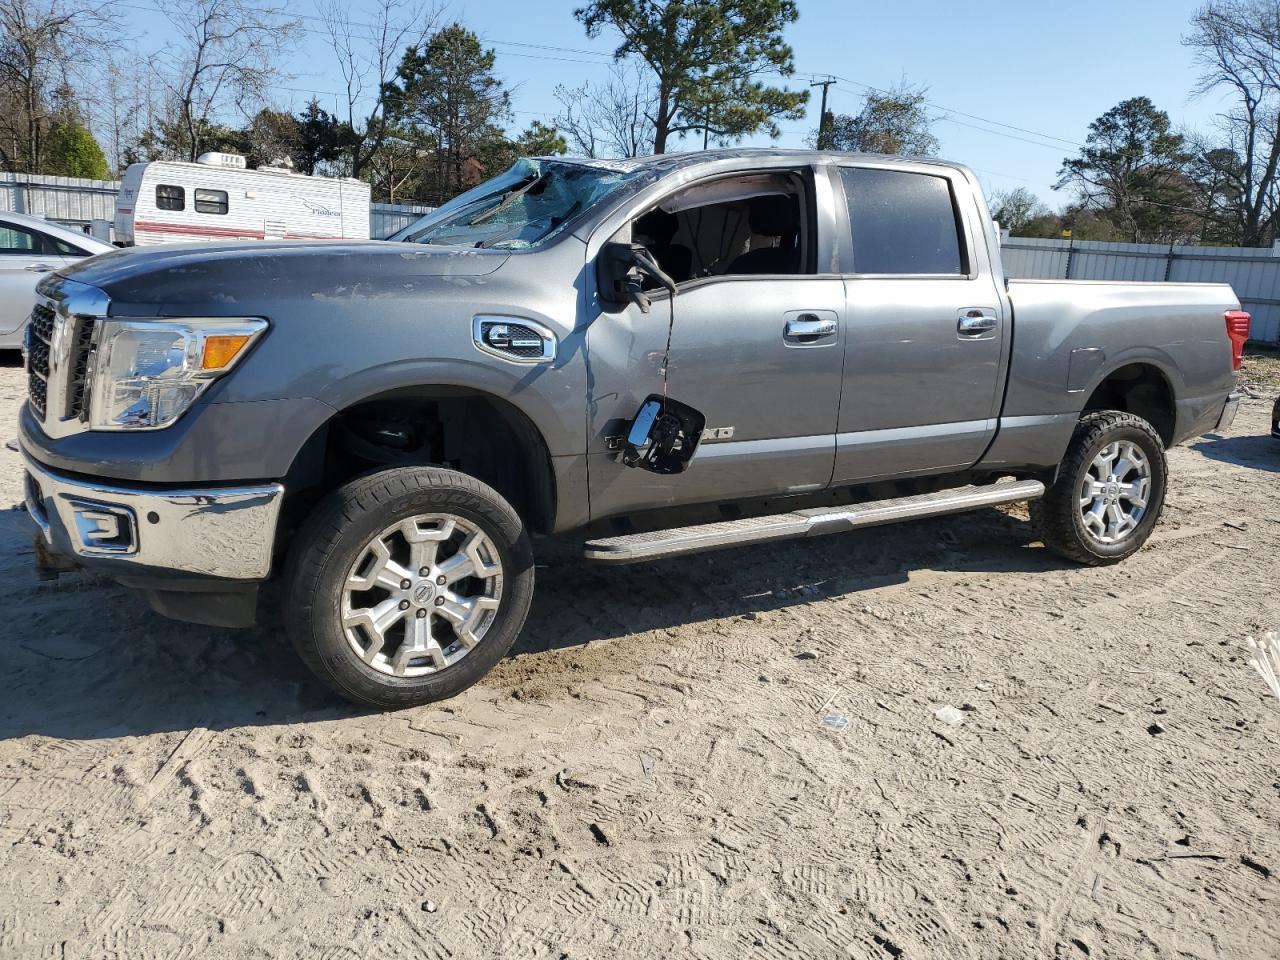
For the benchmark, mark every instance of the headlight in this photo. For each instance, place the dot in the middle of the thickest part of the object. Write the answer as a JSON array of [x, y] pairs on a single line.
[[146, 373]]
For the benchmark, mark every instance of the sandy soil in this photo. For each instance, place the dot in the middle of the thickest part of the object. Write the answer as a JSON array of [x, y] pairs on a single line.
[[651, 774]]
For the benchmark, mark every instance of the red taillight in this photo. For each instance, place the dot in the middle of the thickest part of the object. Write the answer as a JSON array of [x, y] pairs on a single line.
[[1238, 332]]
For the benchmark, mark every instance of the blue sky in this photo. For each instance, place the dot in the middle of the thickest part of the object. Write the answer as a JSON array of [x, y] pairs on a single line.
[[1046, 68]]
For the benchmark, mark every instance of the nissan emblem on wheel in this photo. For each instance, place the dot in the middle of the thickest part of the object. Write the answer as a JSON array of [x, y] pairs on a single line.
[[387, 428]]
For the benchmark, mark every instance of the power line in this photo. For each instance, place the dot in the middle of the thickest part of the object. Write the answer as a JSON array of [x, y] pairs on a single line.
[[603, 58], [999, 133], [974, 116]]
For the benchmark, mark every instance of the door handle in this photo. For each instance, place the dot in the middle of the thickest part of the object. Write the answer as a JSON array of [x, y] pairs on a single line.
[[807, 327], [38, 268], [975, 322]]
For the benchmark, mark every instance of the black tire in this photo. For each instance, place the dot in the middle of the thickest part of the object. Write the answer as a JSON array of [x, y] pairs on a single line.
[[1058, 514], [335, 536]]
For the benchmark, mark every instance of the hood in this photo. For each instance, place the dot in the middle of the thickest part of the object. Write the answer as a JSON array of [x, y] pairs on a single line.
[[169, 276]]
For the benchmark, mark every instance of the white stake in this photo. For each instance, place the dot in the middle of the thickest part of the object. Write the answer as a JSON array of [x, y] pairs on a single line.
[[1266, 658]]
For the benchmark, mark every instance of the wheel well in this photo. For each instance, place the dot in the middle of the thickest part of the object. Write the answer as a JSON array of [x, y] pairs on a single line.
[[1141, 389], [466, 430]]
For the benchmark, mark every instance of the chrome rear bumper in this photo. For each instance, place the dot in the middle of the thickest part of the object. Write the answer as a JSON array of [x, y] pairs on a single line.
[[1229, 411], [224, 532]]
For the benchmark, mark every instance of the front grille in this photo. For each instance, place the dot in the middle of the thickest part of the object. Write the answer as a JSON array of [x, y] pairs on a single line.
[[70, 403], [41, 336], [80, 367]]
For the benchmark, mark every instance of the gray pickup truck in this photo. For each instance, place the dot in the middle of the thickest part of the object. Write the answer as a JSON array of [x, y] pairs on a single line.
[[777, 343]]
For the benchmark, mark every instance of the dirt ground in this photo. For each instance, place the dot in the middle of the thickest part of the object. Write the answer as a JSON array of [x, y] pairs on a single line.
[[727, 756]]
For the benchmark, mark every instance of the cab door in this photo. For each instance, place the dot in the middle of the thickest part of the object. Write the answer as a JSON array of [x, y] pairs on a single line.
[[926, 326], [760, 355]]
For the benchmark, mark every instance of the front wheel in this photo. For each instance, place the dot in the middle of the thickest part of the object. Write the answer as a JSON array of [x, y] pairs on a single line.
[[406, 586], [1109, 491]]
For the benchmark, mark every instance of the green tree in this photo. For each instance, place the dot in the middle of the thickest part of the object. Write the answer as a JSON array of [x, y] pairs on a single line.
[[540, 140], [324, 140], [274, 137], [171, 139], [707, 57], [1221, 184], [449, 89], [893, 121], [1089, 224], [1131, 170], [73, 152], [1018, 209], [499, 151]]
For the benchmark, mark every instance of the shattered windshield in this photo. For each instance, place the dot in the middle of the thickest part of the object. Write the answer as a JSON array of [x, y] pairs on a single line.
[[528, 204]]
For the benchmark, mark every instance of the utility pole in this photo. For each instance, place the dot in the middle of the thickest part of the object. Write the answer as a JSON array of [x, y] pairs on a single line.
[[822, 116]]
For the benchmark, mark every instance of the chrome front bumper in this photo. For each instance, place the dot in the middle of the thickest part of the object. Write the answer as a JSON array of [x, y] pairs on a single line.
[[223, 532]]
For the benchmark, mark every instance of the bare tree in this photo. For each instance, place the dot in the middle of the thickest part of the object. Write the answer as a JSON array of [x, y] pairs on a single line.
[[42, 42], [1237, 42], [368, 54], [610, 119], [123, 110], [227, 56]]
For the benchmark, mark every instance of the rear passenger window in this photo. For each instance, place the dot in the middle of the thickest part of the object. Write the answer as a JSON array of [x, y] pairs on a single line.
[[902, 223], [66, 249], [211, 201], [15, 241], [170, 197]]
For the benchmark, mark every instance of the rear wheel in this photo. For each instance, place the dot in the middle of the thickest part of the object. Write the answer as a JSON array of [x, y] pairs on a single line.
[[1109, 492], [407, 586]]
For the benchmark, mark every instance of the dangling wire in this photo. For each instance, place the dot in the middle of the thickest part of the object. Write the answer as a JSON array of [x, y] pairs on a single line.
[[666, 354], [646, 261]]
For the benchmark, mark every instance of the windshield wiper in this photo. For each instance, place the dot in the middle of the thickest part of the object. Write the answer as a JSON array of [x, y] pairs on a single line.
[[509, 199]]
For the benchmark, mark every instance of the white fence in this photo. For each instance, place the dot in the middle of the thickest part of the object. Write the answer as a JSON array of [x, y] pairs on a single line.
[[77, 202], [1253, 272], [70, 200]]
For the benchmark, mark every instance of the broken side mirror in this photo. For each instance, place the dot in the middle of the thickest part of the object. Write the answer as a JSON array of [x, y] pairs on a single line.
[[621, 270], [663, 436]]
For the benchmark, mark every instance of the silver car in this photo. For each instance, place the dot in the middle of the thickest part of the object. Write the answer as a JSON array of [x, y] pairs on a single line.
[[30, 247]]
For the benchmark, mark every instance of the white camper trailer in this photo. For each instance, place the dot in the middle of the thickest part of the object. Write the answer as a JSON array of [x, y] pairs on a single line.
[[216, 198]]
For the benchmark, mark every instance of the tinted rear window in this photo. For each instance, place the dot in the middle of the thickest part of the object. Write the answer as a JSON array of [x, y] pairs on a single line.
[[903, 223]]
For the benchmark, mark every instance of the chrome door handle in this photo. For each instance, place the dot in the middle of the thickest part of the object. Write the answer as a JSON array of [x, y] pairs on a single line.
[[38, 267], [809, 326], [975, 322]]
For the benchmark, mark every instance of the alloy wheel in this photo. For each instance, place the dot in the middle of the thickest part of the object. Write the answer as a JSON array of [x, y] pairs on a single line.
[[421, 595], [1114, 492]]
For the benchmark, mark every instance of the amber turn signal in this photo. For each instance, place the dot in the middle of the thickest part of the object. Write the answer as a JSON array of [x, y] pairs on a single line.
[[221, 349]]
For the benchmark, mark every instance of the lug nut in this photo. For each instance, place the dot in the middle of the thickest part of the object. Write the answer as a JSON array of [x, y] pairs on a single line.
[[440, 580], [405, 584], [404, 604], [439, 601], [424, 571], [421, 614]]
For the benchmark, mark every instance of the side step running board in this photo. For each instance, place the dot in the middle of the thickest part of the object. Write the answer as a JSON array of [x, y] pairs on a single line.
[[806, 523]]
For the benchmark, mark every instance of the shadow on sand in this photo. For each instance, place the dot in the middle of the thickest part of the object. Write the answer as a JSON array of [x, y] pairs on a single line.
[[1258, 452], [85, 659]]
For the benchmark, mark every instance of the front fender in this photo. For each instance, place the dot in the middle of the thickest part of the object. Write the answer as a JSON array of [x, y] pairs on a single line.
[[534, 391]]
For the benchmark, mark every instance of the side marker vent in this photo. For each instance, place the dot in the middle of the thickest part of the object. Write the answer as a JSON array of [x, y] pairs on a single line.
[[516, 340]]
